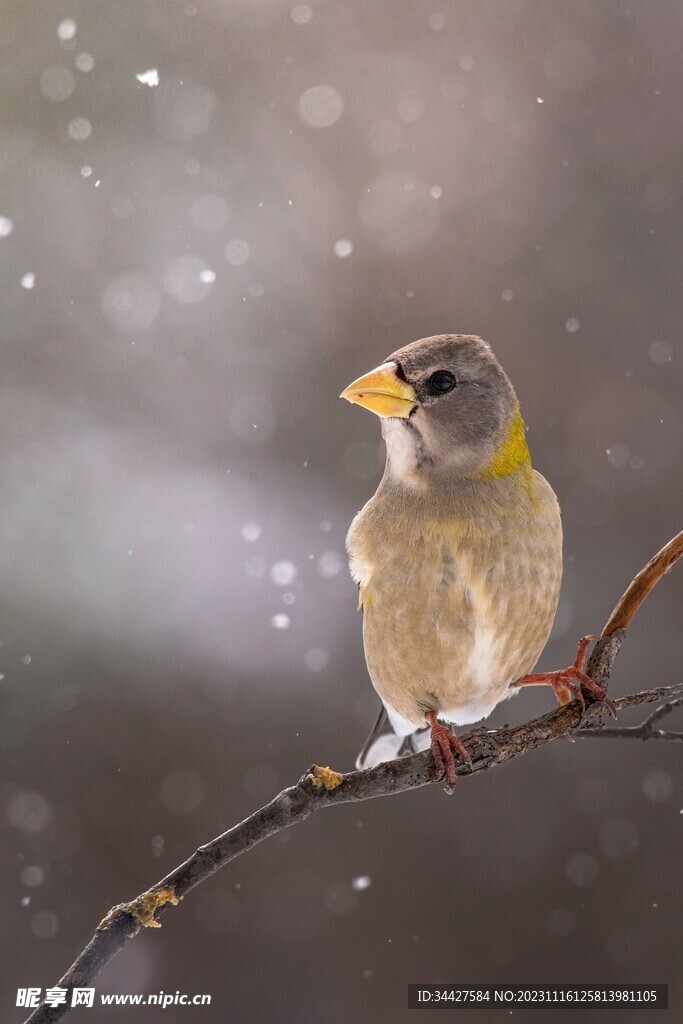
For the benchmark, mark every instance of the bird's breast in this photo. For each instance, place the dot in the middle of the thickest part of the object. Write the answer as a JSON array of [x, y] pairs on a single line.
[[455, 609]]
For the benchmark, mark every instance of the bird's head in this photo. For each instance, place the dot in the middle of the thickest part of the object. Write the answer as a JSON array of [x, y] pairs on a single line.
[[447, 408]]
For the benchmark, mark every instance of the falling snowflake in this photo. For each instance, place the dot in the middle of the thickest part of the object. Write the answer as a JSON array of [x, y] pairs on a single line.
[[361, 882], [343, 248], [66, 29], [149, 77]]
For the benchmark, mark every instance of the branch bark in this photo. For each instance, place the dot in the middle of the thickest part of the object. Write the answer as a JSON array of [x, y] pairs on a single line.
[[321, 787]]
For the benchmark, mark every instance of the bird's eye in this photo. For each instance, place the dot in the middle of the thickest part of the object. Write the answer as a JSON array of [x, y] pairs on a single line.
[[441, 382]]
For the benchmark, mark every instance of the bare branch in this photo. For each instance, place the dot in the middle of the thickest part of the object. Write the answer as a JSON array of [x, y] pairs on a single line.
[[643, 583], [321, 787], [644, 731]]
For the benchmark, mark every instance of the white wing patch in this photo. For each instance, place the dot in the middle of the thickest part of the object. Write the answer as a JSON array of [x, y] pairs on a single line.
[[400, 725]]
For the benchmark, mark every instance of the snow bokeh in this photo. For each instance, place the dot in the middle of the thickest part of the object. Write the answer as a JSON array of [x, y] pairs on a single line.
[[213, 217]]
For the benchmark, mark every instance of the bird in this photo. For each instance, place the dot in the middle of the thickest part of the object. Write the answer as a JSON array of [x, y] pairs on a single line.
[[458, 554]]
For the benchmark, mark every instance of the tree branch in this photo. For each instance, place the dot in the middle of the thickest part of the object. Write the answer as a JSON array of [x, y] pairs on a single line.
[[640, 587], [644, 731], [321, 787]]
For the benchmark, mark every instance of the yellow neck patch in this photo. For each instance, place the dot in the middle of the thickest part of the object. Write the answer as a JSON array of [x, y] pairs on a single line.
[[511, 455]]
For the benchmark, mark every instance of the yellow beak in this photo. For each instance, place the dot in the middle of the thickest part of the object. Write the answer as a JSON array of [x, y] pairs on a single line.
[[383, 392]]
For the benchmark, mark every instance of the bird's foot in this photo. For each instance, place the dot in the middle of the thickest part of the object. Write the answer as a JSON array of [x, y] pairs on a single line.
[[444, 747], [571, 682]]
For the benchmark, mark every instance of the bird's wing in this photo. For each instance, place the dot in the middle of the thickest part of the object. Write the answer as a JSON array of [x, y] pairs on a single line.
[[375, 733], [390, 737]]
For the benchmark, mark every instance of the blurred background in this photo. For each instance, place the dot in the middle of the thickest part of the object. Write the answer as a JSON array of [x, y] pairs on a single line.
[[214, 215]]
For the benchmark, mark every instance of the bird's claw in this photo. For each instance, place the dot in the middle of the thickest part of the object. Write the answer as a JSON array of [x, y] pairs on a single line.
[[597, 692], [444, 748], [572, 682]]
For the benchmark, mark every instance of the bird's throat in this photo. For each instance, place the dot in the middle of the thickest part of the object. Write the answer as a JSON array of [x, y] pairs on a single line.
[[411, 463]]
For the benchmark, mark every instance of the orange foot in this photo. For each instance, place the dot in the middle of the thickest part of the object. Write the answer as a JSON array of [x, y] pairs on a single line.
[[568, 682], [444, 745]]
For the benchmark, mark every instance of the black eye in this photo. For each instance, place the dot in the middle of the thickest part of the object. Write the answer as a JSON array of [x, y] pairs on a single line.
[[441, 382]]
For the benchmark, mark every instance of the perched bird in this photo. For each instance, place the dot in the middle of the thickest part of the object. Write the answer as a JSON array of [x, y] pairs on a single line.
[[458, 555]]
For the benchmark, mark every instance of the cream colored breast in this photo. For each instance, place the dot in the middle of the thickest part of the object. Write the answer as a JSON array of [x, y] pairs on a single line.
[[455, 607]]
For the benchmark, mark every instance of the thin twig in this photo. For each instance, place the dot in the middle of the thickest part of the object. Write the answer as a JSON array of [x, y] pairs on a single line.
[[644, 731], [321, 787]]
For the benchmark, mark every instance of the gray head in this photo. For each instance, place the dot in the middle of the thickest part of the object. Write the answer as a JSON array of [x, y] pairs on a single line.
[[447, 408]]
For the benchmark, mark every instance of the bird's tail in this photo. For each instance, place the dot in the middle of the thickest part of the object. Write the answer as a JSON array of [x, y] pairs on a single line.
[[389, 738]]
